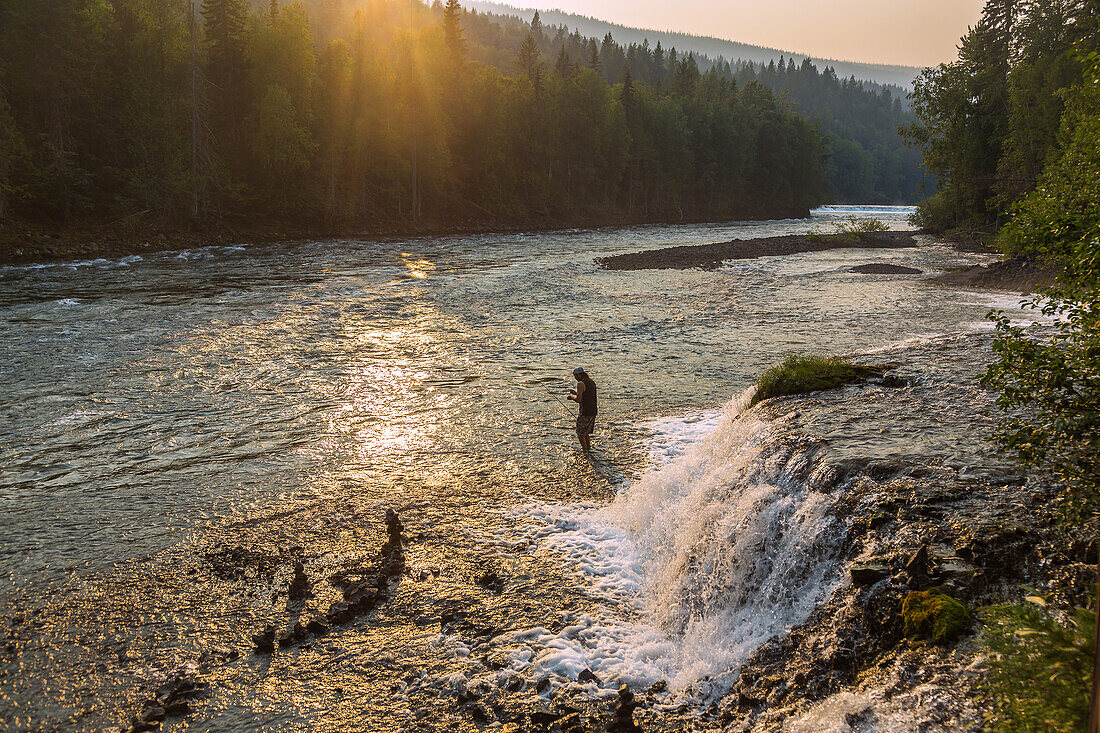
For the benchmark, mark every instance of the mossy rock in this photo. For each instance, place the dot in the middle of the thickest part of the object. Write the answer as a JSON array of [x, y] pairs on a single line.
[[800, 374], [932, 614]]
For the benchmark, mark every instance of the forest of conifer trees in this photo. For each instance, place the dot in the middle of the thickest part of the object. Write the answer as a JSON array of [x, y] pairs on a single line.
[[367, 113], [389, 113]]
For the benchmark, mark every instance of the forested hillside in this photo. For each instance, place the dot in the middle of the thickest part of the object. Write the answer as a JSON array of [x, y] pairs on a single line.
[[870, 161], [703, 47], [367, 114]]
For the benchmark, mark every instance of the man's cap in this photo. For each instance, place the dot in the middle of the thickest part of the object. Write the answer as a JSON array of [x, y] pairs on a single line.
[[578, 371]]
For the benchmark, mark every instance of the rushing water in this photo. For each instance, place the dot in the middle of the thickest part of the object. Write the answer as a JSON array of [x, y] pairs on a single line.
[[178, 429]]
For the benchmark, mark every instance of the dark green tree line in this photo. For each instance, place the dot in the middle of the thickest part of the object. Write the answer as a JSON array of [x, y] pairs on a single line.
[[373, 113]]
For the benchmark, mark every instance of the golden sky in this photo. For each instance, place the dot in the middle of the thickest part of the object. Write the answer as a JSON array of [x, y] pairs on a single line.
[[909, 32]]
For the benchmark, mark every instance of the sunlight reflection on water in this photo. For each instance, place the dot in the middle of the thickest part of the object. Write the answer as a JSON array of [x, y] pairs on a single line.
[[177, 430]]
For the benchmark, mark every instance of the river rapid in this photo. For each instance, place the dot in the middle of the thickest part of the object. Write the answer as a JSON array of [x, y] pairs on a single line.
[[180, 429]]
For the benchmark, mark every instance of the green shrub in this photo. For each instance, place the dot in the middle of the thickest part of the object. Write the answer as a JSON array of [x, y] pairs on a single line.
[[799, 374], [861, 225], [850, 230], [940, 213], [1053, 384], [932, 614], [1039, 670]]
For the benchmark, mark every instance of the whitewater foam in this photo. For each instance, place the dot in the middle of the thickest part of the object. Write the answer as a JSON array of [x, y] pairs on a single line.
[[718, 548]]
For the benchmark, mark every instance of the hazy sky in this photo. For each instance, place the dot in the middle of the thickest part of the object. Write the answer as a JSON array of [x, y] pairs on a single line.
[[909, 32]]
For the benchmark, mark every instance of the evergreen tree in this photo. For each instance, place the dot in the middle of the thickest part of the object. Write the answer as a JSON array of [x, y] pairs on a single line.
[[528, 62], [594, 62], [563, 66], [378, 131], [687, 76], [627, 95], [452, 31], [224, 24]]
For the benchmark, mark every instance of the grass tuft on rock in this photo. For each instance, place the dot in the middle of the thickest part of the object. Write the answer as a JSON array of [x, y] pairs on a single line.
[[932, 614], [800, 373]]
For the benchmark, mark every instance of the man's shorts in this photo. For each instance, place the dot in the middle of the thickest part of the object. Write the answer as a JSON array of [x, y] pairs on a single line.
[[586, 424]]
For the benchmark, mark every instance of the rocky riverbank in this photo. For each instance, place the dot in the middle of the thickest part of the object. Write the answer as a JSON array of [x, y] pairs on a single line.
[[709, 256], [1016, 274]]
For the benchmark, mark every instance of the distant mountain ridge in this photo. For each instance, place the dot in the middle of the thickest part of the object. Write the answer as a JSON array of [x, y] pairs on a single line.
[[901, 76]]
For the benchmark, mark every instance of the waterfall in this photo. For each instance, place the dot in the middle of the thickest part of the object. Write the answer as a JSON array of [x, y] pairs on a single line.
[[700, 561]]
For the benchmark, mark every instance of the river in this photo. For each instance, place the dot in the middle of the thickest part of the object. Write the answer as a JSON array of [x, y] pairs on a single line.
[[179, 429]]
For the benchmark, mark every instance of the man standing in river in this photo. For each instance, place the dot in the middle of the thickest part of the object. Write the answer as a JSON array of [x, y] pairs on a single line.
[[585, 396]]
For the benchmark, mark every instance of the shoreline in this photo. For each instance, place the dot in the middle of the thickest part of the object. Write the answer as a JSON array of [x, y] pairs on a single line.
[[1018, 274], [23, 243], [710, 256], [1015, 274]]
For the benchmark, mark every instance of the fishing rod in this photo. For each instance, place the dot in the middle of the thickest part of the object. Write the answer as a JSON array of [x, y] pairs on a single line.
[[563, 405], [607, 426]]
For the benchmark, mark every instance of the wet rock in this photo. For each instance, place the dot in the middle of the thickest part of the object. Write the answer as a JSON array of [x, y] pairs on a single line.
[[747, 698], [299, 584], [479, 713], [996, 546], [869, 573], [588, 675], [362, 596], [286, 638], [491, 581], [878, 627], [543, 718], [956, 570], [853, 720], [917, 564], [394, 527], [177, 709], [882, 268], [658, 687], [316, 627], [153, 715], [264, 642], [175, 688], [572, 723], [893, 381], [497, 660], [623, 722]]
